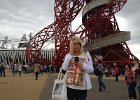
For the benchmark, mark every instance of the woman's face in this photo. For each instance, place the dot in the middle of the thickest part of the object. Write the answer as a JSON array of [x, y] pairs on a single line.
[[76, 46]]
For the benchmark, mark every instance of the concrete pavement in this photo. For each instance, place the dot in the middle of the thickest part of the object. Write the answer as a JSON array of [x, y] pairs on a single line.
[[27, 88], [114, 90]]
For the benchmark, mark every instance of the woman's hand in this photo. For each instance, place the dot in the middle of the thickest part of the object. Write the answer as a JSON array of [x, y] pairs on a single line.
[[80, 64]]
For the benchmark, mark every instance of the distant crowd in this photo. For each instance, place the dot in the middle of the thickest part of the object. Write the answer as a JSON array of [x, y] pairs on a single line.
[[19, 68]]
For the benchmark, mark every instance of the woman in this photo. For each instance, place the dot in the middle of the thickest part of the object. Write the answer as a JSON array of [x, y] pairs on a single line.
[[138, 80], [135, 76], [129, 80], [78, 65]]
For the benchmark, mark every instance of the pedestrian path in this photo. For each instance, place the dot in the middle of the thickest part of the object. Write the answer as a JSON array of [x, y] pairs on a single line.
[[21, 88], [27, 88], [115, 90]]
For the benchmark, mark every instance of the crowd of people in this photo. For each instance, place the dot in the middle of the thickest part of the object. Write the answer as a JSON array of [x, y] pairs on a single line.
[[18, 69], [132, 77], [131, 73]]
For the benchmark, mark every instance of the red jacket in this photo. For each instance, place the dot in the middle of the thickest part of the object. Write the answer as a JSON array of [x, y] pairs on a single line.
[[116, 69]]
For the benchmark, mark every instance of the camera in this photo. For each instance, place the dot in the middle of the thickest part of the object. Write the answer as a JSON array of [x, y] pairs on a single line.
[[76, 59]]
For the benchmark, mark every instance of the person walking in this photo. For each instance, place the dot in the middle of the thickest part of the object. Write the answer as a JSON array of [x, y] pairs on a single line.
[[36, 69], [52, 69], [0, 70], [19, 68], [106, 72], [136, 75], [42, 69], [138, 79], [134, 68], [129, 81], [116, 71], [3, 67], [100, 76], [77, 64], [14, 69]]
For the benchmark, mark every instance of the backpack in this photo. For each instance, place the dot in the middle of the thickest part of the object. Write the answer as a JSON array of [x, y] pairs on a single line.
[[97, 72]]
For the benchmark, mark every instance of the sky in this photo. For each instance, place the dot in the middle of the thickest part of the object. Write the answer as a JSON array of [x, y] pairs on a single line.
[[18, 17]]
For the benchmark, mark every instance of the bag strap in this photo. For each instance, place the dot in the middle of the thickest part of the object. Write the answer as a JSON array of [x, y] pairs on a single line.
[[60, 74]]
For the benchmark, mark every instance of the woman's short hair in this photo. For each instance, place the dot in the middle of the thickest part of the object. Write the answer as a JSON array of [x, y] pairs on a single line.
[[72, 45]]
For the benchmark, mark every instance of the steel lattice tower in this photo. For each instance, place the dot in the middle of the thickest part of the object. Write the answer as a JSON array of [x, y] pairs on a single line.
[[99, 26], [104, 35]]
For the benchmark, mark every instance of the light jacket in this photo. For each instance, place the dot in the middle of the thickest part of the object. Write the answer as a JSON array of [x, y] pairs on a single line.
[[87, 67]]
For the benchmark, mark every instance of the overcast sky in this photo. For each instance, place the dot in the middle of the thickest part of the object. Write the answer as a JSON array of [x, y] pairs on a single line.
[[24, 16]]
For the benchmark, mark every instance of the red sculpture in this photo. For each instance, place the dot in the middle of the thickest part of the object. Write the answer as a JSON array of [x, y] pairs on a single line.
[[99, 24]]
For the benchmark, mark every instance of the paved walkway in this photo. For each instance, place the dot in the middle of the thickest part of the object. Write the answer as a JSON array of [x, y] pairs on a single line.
[[21, 88], [27, 88], [114, 91]]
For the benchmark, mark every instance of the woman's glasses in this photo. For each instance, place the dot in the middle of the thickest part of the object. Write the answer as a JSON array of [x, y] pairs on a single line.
[[78, 43]]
